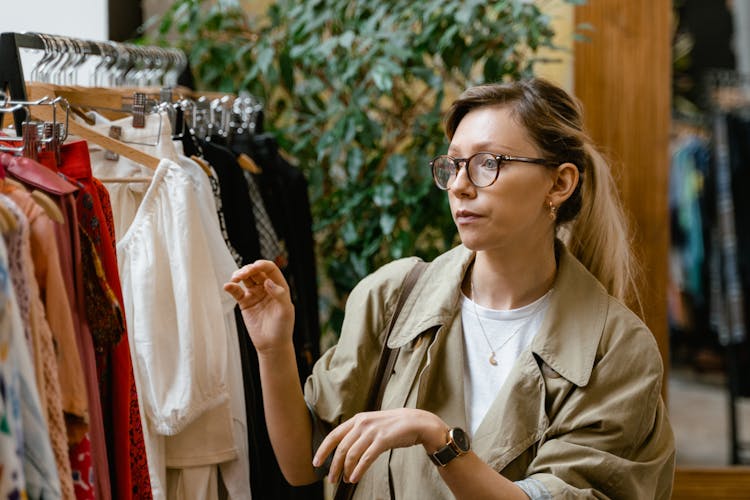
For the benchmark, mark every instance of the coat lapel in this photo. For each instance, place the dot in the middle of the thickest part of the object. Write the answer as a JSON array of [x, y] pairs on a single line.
[[436, 364], [441, 385], [516, 419]]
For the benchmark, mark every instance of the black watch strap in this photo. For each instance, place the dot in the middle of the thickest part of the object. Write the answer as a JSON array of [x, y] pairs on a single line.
[[443, 455], [458, 444]]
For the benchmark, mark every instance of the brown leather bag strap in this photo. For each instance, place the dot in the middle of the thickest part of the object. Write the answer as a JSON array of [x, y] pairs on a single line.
[[345, 491], [387, 355]]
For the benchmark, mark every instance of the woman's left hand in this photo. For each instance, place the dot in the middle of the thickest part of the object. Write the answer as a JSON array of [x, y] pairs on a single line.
[[362, 438]]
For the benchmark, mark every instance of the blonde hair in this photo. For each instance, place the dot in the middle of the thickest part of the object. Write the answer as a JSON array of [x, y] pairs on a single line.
[[591, 222], [599, 236]]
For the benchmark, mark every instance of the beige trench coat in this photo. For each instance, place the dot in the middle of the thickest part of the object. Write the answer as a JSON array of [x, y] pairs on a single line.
[[580, 416]]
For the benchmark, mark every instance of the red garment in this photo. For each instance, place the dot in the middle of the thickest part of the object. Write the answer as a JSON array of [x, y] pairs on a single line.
[[129, 469], [83, 468]]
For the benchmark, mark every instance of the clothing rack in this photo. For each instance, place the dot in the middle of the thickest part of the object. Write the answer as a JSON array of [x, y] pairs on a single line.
[[143, 64], [729, 92]]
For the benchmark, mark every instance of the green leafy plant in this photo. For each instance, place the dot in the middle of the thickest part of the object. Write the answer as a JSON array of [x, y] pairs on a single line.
[[355, 91]]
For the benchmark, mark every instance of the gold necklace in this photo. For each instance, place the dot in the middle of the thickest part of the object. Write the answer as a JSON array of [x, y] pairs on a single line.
[[493, 360]]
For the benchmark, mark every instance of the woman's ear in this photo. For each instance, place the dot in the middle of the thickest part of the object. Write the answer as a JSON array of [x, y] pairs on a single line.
[[564, 181]]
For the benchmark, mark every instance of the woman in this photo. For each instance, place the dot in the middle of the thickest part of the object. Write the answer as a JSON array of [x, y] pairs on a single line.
[[537, 382]]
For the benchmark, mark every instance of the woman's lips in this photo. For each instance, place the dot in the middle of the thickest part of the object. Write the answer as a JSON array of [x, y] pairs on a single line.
[[466, 217]]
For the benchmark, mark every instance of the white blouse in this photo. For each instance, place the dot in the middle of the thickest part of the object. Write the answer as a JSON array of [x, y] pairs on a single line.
[[173, 263]]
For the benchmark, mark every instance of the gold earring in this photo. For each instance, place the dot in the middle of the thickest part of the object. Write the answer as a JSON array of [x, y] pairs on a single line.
[[552, 212]]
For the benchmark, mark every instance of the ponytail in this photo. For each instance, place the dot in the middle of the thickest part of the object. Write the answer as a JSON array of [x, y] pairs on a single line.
[[599, 236]]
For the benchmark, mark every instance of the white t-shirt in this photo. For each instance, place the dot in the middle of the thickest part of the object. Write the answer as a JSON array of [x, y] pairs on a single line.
[[509, 332]]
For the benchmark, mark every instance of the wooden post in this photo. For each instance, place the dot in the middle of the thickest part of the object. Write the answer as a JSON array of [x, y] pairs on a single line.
[[623, 77]]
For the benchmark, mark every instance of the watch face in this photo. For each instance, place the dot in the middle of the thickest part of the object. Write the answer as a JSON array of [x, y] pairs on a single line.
[[461, 439]]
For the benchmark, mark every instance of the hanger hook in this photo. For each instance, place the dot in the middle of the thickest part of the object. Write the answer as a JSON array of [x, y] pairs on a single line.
[[48, 59], [46, 56]]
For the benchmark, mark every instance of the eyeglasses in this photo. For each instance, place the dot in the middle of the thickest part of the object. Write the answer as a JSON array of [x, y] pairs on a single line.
[[482, 168]]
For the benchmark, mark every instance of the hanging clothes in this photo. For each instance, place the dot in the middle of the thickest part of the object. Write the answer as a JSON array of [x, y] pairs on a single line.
[[190, 147], [728, 297], [265, 475], [47, 345], [689, 168], [234, 473], [15, 242], [87, 452], [103, 307], [190, 424], [235, 199], [188, 394], [689, 211], [157, 256], [731, 272], [29, 468]]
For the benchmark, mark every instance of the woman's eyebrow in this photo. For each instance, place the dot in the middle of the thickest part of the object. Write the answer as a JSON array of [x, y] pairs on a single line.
[[489, 147]]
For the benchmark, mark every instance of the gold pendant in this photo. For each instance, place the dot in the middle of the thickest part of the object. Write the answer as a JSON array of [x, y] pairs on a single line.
[[493, 361]]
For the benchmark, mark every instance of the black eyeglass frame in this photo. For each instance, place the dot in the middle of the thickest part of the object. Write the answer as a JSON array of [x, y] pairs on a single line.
[[499, 158]]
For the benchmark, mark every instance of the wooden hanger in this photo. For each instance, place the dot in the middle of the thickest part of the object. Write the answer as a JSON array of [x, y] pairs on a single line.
[[45, 202], [106, 100], [8, 221], [49, 206], [92, 135], [108, 97], [81, 98], [247, 163], [203, 164]]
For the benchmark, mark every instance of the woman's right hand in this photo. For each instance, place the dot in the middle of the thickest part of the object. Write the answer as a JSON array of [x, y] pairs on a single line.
[[263, 296]]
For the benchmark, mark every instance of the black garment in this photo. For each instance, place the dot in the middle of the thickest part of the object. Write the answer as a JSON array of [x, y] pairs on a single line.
[[266, 479], [738, 132], [189, 141], [284, 191], [235, 199]]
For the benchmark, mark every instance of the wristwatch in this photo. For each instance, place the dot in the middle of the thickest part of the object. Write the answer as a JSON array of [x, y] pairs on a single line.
[[458, 444]]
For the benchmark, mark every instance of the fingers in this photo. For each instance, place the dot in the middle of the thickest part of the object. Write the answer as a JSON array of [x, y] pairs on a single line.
[[249, 276], [249, 294], [365, 458], [258, 272], [360, 456], [357, 443], [235, 290], [344, 460], [330, 442], [356, 448], [249, 284]]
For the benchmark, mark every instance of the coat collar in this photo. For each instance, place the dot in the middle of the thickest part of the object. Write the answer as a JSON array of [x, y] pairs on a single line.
[[434, 298], [569, 336], [573, 326]]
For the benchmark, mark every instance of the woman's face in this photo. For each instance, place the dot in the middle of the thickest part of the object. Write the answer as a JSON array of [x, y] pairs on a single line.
[[512, 213]]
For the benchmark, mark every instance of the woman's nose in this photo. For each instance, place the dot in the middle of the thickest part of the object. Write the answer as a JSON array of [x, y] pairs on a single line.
[[461, 183]]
